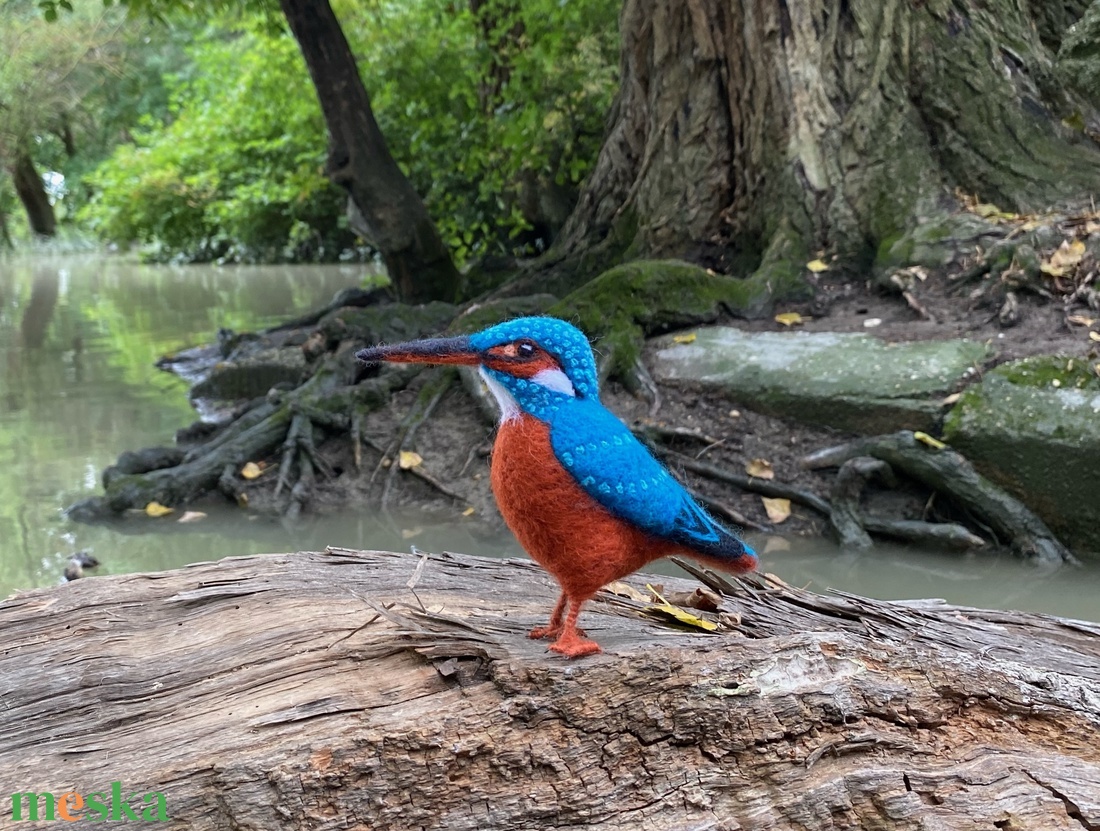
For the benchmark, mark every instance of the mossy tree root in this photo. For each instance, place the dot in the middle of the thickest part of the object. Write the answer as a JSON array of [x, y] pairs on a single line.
[[845, 516], [949, 473], [255, 435], [853, 526]]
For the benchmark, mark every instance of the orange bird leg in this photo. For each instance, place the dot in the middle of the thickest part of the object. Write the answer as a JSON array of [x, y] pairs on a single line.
[[554, 628], [570, 643]]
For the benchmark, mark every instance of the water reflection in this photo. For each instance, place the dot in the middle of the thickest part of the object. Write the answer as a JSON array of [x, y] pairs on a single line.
[[78, 340]]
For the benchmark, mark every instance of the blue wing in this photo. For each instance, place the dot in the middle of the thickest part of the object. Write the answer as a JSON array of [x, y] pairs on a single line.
[[617, 470]]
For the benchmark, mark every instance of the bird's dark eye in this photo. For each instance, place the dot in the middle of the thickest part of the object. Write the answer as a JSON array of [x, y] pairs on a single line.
[[525, 349]]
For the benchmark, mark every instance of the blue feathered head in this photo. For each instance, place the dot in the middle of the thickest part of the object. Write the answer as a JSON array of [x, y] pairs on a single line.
[[537, 361]]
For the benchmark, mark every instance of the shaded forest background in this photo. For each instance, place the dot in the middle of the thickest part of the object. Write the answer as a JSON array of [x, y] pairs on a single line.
[[201, 138]]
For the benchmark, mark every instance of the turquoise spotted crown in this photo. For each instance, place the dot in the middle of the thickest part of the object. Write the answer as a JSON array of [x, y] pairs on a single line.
[[563, 340]]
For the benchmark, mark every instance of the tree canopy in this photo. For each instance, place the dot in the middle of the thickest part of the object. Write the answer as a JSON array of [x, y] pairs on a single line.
[[494, 110]]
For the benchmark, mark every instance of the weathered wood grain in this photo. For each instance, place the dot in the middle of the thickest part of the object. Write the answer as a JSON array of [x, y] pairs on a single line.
[[319, 691]]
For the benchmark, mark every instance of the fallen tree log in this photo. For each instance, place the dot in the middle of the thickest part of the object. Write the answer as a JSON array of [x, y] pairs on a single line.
[[376, 690]]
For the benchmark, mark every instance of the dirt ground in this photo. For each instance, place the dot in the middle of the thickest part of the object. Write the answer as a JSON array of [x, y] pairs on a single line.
[[455, 443]]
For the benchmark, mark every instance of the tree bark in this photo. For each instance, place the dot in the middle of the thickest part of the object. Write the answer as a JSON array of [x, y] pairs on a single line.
[[846, 121], [374, 690], [32, 193], [383, 203]]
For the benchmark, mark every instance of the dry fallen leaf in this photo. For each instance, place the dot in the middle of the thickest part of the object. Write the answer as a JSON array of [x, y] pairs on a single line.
[[760, 468], [675, 612], [1081, 320], [688, 338], [251, 470], [1068, 254], [191, 516], [1094, 336], [408, 459], [242, 500], [703, 599], [155, 509], [924, 438], [469, 511], [872, 322], [951, 399], [778, 510], [623, 590], [789, 318]]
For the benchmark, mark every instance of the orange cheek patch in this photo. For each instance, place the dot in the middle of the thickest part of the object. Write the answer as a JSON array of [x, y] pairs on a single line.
[[518, 369]]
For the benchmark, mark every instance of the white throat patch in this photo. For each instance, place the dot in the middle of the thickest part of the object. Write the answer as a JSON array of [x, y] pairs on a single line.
[[509, 407]]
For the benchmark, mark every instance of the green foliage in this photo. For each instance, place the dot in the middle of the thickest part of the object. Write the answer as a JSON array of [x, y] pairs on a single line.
[[495, 116], [71, 88], [237, 174]]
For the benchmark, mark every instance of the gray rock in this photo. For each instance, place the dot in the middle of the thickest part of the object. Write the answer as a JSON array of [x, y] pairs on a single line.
[[848, 381], [1033, 426], [252, 375]]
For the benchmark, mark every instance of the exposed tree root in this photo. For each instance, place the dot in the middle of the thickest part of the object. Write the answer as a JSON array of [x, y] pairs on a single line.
[[845, 515], [253, 436], [753, 484], [951, 474]]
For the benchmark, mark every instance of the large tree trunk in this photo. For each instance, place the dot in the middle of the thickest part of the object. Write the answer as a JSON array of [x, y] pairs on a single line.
[[378, 691], [384, 205], [838, 123], [32, 193]]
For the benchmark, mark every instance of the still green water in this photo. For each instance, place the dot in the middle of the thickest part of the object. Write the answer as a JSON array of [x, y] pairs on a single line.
[[78, 340]]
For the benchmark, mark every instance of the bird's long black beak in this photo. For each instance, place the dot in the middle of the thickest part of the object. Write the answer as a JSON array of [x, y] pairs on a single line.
[[431, 351]]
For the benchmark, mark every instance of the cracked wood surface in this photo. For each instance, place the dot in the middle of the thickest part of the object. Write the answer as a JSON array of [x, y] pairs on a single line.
[[317, 690]]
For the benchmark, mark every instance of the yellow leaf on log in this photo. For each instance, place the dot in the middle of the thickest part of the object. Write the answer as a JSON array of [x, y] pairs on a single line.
[[688, 338], [924, 438], [778, 510], [789, 318], [676, 613], [408, 459], [251, 471], [468, 512], [817, 266], [155, 509]]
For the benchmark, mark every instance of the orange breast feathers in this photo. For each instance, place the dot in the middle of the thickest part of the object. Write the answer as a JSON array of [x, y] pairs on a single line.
[[565, 530]]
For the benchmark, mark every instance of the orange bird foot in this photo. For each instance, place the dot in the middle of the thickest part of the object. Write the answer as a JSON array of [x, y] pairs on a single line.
[[551, 631], [540, 632], [572, 645]]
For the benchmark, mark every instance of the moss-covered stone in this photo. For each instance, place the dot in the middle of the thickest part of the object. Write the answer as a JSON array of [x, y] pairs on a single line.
[[1033, 426], [935, 243], [629, 302], [251, 374], [847, 381]]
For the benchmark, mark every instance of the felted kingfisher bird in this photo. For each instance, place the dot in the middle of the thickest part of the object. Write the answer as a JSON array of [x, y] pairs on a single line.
[[583, 496]]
